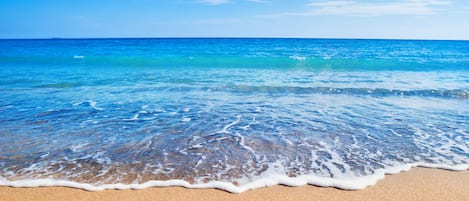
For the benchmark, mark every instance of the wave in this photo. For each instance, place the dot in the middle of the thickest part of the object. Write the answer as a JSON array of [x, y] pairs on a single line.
[[442, 93], [375, 92], [268, 179], [299, 58], [221, 61]]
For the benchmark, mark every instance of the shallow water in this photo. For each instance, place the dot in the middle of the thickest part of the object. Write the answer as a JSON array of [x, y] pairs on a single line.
[[229, 113]]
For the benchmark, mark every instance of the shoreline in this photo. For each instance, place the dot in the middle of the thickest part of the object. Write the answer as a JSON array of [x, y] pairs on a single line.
[[417, 184]]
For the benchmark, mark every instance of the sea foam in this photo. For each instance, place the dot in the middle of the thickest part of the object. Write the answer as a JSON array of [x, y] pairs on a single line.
[[268, 179], [78, 57]]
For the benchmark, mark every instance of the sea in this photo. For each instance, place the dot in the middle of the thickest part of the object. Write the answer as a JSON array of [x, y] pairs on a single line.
[[229, 113]]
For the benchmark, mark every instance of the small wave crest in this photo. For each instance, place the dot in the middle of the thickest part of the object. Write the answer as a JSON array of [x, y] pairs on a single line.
[[78, 57], [451, 93], [90, 103], [268, 179], [298, 58]]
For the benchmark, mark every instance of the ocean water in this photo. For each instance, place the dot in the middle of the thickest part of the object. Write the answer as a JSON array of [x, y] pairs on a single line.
[[234, 114]]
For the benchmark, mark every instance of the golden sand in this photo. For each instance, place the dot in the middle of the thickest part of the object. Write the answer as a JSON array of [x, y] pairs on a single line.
[[417, 184]]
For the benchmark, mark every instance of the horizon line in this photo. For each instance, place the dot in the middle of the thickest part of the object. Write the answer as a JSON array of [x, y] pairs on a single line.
[[227, 37]]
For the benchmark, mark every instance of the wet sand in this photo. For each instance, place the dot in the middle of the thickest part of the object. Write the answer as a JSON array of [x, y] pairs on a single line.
[[417, 184]]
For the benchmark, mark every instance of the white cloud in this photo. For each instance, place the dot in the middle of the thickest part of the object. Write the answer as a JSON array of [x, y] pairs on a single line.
[[258, 1], [331, 3], [215, 2], [407, 7], [219, 2], [355, 8]]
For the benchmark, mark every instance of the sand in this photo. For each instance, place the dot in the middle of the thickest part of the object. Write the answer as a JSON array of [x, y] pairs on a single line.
[[417, 184]]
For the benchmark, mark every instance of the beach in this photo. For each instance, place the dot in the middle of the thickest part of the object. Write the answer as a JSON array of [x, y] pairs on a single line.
[[234, 100], [416, 184]]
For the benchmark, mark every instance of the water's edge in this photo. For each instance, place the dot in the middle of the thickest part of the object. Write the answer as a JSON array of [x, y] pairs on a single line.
[[270, 180]]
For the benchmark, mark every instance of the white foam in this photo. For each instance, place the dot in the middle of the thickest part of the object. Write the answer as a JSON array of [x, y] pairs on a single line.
[[77, 147], [200, 161], [91, 103], [242, 144], [78, 57], [299, 58], [225, 128], [269, 178], [135, 117]]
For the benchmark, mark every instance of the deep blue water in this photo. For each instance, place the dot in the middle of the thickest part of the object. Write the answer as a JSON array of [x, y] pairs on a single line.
[[229, 113]]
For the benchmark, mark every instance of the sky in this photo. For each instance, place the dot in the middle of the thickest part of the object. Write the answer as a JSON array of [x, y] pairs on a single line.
[[392, 19]]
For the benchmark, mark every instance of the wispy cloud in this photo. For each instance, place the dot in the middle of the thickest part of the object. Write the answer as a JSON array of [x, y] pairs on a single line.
[[214, 2], [356, 8], [259, 1], [220, 2]]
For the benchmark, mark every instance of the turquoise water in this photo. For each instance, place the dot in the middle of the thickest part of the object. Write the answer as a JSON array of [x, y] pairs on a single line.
[[233, 114]]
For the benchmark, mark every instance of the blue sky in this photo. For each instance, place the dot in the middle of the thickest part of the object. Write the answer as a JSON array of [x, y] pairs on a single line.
[[413, 19]]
